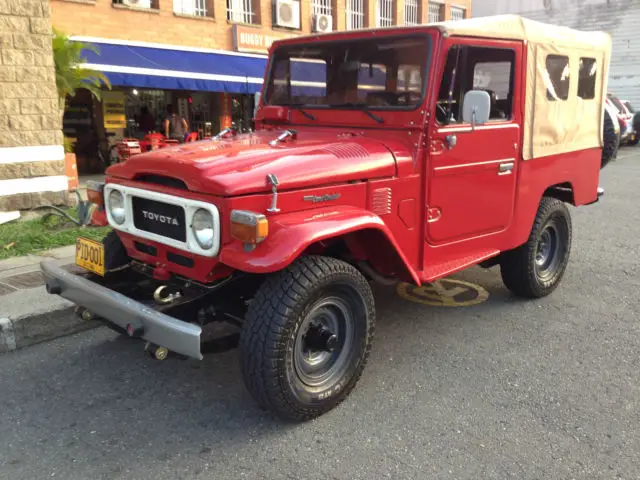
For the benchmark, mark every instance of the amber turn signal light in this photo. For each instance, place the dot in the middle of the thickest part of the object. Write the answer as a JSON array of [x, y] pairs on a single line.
[[249, 227], [95, 192]]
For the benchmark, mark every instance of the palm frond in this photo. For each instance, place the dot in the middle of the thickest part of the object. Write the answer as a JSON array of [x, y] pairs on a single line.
[[70, 74]]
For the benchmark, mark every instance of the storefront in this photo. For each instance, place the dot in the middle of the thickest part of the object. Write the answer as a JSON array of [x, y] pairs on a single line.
[[209, 89]]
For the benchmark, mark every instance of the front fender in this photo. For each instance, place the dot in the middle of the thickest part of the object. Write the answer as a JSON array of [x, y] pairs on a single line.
[[290, 234]]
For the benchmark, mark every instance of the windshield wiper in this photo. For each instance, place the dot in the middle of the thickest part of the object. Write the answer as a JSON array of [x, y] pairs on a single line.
[[299, 108], [363, 107]]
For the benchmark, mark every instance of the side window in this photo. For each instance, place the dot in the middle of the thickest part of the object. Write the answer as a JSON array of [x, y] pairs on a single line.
[[476, 68], [558, 77], [587, 78], [495, 78]]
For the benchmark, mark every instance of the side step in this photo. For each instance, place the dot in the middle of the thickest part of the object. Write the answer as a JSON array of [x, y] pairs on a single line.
[[440, 270]]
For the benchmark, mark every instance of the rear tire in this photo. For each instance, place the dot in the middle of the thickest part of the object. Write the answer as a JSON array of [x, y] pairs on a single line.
[[536, 268], [290, 362]]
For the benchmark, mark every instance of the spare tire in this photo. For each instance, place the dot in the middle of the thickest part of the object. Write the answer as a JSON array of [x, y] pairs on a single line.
[[636, 128], [610, 140]]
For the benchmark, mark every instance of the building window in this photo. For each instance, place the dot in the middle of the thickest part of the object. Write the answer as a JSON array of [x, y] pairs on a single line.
[[355, 14], [411, 12], [384, 13], [241, 11], [321, 7], [587, 78], [197, 8], [435, 12], [557, 77], [137, 3], [457, 13]]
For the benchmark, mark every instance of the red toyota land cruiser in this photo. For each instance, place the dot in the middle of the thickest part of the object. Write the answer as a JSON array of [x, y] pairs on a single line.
[[400, 153]]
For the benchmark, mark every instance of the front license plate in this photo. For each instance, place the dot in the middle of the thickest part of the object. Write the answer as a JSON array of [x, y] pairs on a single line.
[[90, 255]]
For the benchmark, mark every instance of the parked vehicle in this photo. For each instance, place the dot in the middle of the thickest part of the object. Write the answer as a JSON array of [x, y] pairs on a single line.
[[625, 119], [376, 157], [635, 122]]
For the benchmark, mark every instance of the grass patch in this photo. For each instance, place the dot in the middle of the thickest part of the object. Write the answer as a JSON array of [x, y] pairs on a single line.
[[32, 236]]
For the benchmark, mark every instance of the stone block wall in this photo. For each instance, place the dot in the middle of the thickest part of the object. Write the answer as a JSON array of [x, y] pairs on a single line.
[[32, 166]]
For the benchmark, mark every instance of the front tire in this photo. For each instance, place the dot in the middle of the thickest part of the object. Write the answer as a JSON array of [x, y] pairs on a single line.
[[535, 269], [307, 336]]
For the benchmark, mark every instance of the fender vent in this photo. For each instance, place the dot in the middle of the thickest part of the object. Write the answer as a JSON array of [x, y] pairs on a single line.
[[381, 201], [347, 150]]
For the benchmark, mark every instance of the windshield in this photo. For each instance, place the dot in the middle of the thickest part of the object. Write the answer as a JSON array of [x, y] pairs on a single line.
[[378, 73]]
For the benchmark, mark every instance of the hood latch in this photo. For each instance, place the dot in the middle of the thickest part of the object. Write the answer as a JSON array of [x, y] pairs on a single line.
[[283, 136], [223, 133]]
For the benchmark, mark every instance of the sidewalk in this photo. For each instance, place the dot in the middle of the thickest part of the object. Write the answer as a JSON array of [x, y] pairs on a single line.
[[28, 314]]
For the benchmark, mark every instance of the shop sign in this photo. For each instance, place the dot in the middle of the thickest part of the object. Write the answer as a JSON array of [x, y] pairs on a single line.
[[113, 110], [248, 39]]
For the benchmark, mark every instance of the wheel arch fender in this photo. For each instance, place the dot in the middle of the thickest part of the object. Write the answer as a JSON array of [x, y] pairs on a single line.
[[293, 234]]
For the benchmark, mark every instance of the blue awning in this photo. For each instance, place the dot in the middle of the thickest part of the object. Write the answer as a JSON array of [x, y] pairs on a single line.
[[130, 64]]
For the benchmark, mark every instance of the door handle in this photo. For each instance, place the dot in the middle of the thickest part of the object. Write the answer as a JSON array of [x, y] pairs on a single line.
[[451, 140], [505, 168]]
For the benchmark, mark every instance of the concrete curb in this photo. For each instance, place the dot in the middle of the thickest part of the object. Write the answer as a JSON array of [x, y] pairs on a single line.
[[29, 330]]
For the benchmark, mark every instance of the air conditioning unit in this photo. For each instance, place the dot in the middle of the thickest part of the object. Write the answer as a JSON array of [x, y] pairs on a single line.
[[323, 23], [137, 3], [288, 13]]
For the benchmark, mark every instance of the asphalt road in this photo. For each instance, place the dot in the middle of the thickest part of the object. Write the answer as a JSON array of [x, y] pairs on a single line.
[[545, 389]]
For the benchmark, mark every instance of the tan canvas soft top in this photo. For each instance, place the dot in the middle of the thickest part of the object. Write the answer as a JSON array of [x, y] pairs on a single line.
[[550, 126]]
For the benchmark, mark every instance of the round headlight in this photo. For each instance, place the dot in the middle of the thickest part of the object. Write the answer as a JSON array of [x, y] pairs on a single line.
[[116, 206], [202, 228]]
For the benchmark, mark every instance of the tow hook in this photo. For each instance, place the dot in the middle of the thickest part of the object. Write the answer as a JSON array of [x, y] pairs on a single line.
[[164, 299], [156, 352]]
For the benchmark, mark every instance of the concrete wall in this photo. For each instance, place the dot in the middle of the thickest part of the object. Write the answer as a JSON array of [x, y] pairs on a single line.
[[32, 169], [620, 18]]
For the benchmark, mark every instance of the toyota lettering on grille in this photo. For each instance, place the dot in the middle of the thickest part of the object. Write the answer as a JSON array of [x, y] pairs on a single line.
[[160, 218]]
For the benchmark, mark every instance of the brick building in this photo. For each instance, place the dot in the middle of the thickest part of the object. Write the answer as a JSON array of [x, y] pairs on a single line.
[[204, 57]]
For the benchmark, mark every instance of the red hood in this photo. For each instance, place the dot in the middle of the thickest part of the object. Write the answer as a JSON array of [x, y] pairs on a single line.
[[240, 165]]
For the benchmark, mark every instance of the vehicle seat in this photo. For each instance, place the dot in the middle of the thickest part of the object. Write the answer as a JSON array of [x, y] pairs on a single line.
[[495, 112]]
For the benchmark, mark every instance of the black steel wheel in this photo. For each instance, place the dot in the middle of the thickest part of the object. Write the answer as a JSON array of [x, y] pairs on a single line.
[[307, 336], [535, 269]]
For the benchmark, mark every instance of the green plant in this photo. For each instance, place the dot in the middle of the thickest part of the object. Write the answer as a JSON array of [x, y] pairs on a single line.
[[70, 74], [68, 144]]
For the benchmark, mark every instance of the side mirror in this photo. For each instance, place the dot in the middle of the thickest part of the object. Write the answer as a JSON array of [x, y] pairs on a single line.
[[476, 107]]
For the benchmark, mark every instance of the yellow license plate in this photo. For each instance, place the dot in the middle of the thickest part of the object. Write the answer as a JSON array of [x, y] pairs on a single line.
[[90, 255]]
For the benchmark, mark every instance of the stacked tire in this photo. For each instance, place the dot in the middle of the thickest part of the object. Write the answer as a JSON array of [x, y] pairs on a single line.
[[636, 128]]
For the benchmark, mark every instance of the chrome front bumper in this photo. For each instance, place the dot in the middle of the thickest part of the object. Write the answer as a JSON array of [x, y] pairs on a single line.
[[158, 328]]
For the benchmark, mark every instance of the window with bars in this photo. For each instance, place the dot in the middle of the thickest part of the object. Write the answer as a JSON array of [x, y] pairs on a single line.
[[457, 13], [411, 12], [197, 8], [355, 14], [384, 13], [321, 7], [435, 12], [241, 11]]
